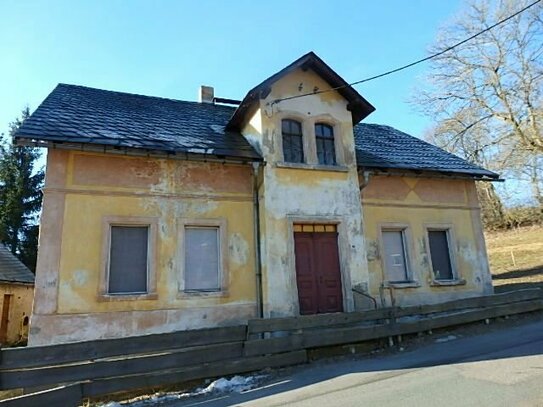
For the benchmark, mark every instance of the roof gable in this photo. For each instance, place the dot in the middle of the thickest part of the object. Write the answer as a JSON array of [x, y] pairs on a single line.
[[359, 107]]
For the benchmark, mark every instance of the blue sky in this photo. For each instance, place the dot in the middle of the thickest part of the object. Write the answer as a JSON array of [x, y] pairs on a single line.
[[169, 48]]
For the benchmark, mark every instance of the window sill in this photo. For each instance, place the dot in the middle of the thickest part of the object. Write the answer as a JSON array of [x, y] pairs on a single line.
[[202, 294], [127, 297], [447, 283], [402, 284], [318, 167]]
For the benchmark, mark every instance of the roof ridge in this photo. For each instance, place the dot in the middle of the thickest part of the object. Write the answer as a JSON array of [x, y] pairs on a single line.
[[116, 92]]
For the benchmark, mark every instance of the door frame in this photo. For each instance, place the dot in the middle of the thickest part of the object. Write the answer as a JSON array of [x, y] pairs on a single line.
[[4, 323], [343, 247]]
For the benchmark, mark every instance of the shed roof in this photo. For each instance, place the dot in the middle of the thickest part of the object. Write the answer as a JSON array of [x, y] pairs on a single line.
[[11, 268]]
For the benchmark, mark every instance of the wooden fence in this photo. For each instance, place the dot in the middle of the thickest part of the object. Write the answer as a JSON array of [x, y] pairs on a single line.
[[97, 368]]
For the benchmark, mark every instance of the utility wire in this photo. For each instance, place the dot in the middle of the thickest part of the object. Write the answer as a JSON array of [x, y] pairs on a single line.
[[401, 68]]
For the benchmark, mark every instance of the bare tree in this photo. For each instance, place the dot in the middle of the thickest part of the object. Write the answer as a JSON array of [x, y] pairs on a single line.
[[486, 95]]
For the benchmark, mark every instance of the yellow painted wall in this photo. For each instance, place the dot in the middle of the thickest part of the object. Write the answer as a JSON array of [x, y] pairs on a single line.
[[20, 307], [84, 188], [417, 202]]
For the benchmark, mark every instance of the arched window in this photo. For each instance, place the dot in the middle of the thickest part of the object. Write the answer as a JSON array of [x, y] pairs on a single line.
[[293, 150], [326, 151]]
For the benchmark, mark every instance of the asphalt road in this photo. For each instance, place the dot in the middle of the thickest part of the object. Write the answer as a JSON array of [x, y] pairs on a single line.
[[502, 368]]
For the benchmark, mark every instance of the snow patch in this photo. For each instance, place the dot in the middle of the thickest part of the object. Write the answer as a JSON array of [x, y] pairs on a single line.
[[236, 384], [446, 339]]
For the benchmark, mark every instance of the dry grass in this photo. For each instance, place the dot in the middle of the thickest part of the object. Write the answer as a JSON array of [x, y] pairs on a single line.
[[516, 258]]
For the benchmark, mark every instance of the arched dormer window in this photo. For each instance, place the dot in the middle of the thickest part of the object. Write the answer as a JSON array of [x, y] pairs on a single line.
[[293, 146], [326, 151]]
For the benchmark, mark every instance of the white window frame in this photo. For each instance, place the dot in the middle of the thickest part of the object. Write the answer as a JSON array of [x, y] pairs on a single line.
[[221, 225], [405, 230], [129, 221]]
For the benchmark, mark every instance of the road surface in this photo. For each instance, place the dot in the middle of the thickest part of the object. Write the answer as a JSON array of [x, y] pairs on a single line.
[[502, 368]]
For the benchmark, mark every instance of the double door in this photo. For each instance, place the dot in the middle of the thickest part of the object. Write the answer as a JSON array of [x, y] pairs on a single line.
[[318, 275]]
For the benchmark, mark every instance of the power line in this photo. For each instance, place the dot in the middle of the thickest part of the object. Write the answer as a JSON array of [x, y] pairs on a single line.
[[401, 68]]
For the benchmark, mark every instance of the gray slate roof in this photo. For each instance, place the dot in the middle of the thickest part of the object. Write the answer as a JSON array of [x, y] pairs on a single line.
[[11, 269], [384, 147], [78, 114]]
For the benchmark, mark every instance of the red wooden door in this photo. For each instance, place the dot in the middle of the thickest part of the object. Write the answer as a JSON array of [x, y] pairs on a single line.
[[308, 294], [5, 319], [317, 273]]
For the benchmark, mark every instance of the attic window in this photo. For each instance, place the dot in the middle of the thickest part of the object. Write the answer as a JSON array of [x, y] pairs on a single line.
[[293, 150], [326, 152]]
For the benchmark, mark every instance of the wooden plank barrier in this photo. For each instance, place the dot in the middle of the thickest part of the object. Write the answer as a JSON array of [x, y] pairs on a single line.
[[36, 356], [65, 396], [98, 368], [102, 387], [17, 378], [329, 320]]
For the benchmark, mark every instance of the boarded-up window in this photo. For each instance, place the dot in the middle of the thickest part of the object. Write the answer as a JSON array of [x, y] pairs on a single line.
[[128, 264], [293, 149], [439, 252], [202, 259], [324, 138], [395, 255]]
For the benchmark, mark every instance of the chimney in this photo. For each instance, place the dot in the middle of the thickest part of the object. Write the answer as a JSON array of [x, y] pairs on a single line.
[[206, 94]]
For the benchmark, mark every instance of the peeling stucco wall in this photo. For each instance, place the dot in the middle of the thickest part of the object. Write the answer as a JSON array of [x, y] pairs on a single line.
[[417, 202], [308, 192], [84, 188]]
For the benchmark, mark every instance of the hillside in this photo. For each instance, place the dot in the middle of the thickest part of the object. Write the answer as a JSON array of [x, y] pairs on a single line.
[[516, 258]]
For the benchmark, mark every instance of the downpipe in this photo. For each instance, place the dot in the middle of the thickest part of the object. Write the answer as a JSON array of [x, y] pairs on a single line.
[[256, 225]]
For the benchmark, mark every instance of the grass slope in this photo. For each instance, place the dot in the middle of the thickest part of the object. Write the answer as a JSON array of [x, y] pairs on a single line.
[[516, 258]]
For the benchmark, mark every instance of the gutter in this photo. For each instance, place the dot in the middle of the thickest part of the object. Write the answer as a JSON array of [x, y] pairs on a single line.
[[136, 152], [420, 173], [15, 282], [258, 258]]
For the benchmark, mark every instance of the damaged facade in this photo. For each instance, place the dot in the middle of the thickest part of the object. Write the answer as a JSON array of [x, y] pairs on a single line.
[[163, 215]]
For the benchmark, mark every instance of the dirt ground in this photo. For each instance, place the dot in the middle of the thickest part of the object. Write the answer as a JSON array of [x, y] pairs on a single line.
[[516, 258]]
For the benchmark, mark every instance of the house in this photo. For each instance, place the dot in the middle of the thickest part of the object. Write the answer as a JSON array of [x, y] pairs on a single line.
[[163, 215], [17, 288]]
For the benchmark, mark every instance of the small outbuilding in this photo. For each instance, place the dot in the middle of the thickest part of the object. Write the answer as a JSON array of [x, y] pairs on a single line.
[[17, 291]]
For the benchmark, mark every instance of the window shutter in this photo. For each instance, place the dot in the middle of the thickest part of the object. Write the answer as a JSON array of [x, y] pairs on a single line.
[[202, 259], [128, 259], [395, 261]]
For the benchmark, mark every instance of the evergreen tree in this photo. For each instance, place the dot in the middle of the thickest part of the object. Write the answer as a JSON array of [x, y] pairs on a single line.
[[20, 196]]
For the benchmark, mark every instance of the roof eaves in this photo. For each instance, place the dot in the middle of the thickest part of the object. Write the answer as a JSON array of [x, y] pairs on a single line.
[[482, 175], [85, 144]]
